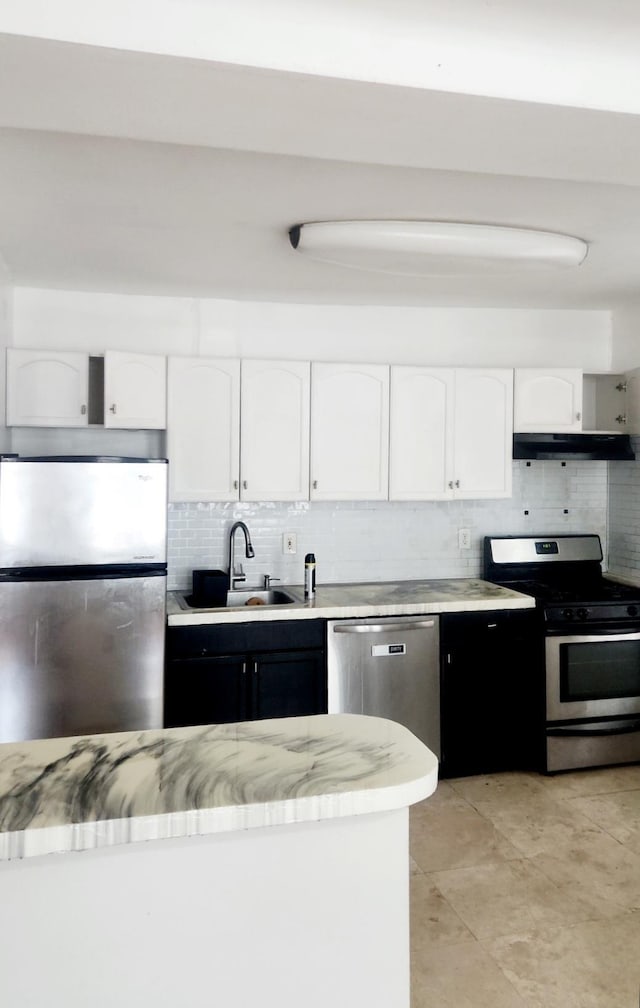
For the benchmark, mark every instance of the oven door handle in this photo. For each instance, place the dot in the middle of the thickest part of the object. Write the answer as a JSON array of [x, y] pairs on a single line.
[[584, 731]]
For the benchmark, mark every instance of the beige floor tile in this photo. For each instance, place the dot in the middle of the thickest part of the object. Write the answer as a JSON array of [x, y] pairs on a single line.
[[460, 976], [443, 797], [542, 826], [592, 782], [501, 899], [599, 868], [453, 837], [618, 814], [433, 922], [414, 867], [590, 965], [492, 792]]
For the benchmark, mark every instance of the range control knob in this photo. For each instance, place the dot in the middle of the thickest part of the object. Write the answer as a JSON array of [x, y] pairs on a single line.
[[567, 613], [632, 610], [582, 613]]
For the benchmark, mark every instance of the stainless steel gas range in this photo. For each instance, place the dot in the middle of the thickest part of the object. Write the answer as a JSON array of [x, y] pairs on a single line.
[[591, 626]]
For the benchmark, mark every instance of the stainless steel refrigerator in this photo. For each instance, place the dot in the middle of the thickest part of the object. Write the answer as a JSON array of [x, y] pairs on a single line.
[[83, 553]]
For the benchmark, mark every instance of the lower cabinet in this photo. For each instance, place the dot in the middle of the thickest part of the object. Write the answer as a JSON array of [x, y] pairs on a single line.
[[492, 692], [245, 672]]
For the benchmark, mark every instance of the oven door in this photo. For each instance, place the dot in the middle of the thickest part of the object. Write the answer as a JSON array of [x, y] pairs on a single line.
[[592, 675]]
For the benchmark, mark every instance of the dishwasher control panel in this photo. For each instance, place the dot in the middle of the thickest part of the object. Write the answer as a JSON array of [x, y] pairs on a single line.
[[384, 650]]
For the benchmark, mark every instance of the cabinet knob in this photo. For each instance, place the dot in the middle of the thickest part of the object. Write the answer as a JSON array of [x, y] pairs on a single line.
[[112, 408], [457, 484], [451, 484], [235, 484], [244, 485], [621, 418], [578, 416], [315, 484], [83, 409]]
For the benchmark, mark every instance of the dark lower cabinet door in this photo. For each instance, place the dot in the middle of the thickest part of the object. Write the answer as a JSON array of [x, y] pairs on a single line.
[[206, 691], [287, 684]]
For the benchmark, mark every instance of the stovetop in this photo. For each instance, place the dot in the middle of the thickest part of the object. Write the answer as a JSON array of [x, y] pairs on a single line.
[[564, 575], [590, 592]]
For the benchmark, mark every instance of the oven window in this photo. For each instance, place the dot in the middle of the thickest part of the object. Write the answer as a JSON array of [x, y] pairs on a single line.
[[599, 670]]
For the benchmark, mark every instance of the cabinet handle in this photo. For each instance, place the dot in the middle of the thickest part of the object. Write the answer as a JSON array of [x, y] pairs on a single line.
[[244, 485], [621, 418], [112, 409], [235, 484], [83, 409], [457, 484], [315, 484], [578, 416], [451, 484]]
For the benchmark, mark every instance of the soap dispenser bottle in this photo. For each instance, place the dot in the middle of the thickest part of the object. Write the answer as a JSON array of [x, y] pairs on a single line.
[[309, 575]]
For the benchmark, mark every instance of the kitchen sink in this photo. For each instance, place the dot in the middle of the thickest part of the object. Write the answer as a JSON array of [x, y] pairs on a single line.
[[270, 597]]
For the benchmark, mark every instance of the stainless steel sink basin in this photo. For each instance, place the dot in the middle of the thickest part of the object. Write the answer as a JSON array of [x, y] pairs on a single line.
[[273, 596]]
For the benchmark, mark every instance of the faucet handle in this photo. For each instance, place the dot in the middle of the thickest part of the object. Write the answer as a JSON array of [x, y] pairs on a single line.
[[268, 578], [238, 573]]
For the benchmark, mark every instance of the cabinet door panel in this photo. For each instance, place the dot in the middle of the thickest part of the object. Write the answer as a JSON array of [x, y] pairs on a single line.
[[205, 691], [421, 433], [288, 684], [274, 445], [483, 433], [349, 432], [47, 389], [547, 400], [135, 392], [203, 429]]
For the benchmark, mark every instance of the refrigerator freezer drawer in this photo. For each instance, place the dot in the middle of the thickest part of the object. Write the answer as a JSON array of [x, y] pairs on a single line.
[[82, 511], [81, 657]]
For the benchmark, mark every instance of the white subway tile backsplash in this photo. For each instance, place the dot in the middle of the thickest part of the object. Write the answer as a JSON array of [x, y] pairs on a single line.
[[386, 540]]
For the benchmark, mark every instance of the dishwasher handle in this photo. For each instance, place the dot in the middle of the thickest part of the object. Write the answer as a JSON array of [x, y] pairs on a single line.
[[382, 627]]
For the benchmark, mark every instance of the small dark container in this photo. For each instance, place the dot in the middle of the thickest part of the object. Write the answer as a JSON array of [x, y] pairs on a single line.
[[209, 589]]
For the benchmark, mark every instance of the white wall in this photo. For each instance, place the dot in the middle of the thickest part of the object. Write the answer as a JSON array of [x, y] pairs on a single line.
[[6, 301], [625, 337], [463, 336]]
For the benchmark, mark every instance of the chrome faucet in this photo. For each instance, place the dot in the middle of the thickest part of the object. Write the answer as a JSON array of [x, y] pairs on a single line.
[[236, 572]]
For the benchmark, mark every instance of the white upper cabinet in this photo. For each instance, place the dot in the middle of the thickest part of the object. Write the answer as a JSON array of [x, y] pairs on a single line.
[[451, 433], [47, 389], [483, 433], [135, 391], [547, 400], [421, 433], [274, 443], [349, 431], [203, 429]]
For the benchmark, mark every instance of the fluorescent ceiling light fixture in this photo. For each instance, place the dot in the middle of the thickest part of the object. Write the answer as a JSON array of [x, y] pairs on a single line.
[[424, 248]]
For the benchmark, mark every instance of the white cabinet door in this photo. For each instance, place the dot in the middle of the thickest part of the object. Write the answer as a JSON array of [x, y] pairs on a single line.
[[203, 428], [421, 433], [47, 389], [135, 391], [349, 431], [274, 443], [483, 430], [547, 399]]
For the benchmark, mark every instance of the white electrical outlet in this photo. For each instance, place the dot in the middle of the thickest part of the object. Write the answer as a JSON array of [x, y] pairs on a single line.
[[289, 543], [464, 539]]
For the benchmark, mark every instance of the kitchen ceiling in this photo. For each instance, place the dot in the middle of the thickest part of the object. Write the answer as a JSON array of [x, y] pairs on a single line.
[[152, 174]]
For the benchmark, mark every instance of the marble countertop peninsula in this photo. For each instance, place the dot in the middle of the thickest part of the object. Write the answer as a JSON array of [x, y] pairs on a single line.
[[72, 794], [348, 601]]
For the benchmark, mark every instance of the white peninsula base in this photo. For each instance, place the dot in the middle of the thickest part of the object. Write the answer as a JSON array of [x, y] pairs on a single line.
[[226, 866]]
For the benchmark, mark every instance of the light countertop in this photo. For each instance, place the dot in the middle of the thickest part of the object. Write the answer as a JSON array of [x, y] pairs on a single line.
[[72, 794], [347, 601]]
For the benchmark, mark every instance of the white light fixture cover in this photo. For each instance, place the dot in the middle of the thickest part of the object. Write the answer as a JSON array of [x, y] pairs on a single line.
[[423, 248]]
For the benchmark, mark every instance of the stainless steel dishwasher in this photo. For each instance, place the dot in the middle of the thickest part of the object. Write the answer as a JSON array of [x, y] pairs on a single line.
[[388, 667]]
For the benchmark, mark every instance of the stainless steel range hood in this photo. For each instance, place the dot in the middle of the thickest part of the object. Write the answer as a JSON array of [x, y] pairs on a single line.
[[573, 447]]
